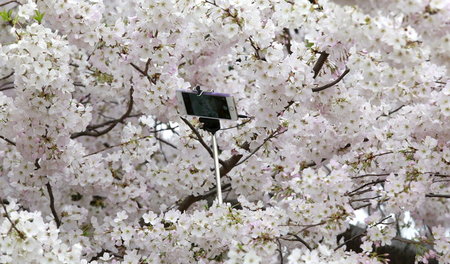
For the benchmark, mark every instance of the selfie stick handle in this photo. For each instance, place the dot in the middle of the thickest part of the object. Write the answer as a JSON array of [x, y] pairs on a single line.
[[216, 164]]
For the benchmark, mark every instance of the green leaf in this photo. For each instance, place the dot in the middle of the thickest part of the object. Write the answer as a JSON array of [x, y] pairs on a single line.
[[309, 44], [6, 15], [38, 16]]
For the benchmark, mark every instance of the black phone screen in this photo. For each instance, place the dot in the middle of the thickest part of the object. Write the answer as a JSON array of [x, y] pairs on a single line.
[[213, 106]]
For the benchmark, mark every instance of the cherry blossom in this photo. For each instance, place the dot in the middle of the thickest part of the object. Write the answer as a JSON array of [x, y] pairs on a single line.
[[347, 113]]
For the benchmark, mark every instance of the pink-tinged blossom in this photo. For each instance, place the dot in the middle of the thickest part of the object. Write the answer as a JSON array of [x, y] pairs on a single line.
[[98, 167]]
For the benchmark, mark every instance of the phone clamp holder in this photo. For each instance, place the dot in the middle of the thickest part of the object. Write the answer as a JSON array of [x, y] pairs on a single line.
[[209, 124]]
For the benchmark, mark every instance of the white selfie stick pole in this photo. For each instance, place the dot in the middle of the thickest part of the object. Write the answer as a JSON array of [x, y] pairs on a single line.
[[216, 164]]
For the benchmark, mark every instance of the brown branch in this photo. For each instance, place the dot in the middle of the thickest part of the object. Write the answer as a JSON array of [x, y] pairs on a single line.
[[387, 174], [372, 156], [320, 62], [52, 204], [326, 86], [365, 185], [272, 135], [361, 206], [166, 142], [288, 37], [114, 146], [257, 49], [400, 251], [9, 2], [103, 251], [280, 250], [363, 233], [145, 71], [200, 138], [350, 239], [238, 125], [112, 123], [8, 140], [370, 175], [227, 166], [13, 225], [437, 195], [7, 76], [299, 239], [391, 112], [364, 199], [7, 88]]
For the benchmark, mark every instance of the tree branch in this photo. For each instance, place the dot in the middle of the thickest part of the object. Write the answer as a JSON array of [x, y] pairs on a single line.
[[326, 86], [145, 71], [9, 2], [272, 135], [165, 142], [8, 140], [256, 48], [52, 204], [399, 252], [362, 233], [200, 138], [391, 112], [299, 239], [280, 250], [7, 76], [227, 166], [288, 38], [370, 175], [438, 195], [13, 225], [365, 185], [7, 88], [320, 62], [111, 123]]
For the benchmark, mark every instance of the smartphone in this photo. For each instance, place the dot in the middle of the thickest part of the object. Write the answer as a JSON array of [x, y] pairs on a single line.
[[209, 105]]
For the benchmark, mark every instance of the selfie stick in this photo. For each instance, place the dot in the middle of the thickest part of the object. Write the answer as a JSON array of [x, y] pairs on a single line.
[[212, 126], [216, 164]]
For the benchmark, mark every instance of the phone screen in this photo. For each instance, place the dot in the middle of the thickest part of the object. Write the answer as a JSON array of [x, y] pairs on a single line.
[[214, 106]]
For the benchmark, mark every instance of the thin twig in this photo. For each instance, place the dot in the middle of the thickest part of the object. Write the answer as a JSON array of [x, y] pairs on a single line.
[[370, 175], [144, 72], [257, 49], [350, 239], [326, 86], [365, 185], [7, 76], [320, 62], [272, 135], [7, 88], [114, 146], [13, 225], [280, 250], [8, 140], [361, 206], [363, 233], [112, 123], [238, 125], [299, 239], [166, 142], [288, 38], [437, 195], [227, 166], [391, 112], [52, 204], [200, 138], [9, 2], [364, 199]]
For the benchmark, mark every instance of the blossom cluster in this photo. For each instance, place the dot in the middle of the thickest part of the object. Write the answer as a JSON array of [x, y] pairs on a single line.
[[347, 113]]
